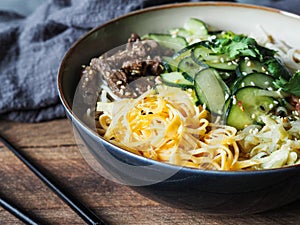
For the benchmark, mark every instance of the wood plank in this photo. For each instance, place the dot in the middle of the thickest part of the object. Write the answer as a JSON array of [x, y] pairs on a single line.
[[52, 145]]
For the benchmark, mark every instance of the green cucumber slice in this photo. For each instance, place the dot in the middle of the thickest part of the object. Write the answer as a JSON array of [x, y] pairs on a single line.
[[175, 43], [196, 27], [190, 67], [211, 90], [230, 66], [202, 53], [260, 80], [169, 63], [246, 106], [180, 32], [247, 66], [176, 79]]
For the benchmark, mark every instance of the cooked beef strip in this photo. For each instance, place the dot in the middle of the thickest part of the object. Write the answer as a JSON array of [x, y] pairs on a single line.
[[128, 73]]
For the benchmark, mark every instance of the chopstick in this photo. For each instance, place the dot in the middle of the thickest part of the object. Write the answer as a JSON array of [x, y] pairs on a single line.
[[85, 213], [17, 212]]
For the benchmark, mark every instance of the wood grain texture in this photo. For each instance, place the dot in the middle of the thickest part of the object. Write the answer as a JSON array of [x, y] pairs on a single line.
[[52, 145]]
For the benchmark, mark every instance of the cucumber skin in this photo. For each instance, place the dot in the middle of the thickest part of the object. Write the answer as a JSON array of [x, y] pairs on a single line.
[[180, 81]]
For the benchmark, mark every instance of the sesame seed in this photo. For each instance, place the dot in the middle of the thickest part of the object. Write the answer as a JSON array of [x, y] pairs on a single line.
[[127, 93], [249, 63], [158, 80], [119, 82], [252, 83], [234, 100], [122, 87]]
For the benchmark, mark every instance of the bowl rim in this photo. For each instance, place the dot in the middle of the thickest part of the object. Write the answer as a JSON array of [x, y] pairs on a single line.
[[73, 117]]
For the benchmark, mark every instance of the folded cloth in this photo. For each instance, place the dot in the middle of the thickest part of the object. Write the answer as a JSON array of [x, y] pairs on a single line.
[[32, 48]]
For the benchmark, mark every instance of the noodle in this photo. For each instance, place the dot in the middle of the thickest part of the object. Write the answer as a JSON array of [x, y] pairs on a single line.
[[168, 127]]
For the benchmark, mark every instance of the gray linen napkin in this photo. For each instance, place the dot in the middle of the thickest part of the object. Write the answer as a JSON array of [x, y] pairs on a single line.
[[32, 48]]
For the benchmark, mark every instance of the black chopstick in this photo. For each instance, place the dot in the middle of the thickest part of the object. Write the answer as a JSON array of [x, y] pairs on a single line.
[[17, 212], [85, 213]]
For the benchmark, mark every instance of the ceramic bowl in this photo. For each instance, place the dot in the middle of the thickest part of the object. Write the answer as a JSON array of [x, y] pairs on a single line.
[[226, 192]]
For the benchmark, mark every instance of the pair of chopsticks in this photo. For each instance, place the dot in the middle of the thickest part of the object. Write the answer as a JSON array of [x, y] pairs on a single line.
[[85, 213]]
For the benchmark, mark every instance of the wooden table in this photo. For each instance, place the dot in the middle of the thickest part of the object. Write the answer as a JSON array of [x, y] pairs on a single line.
[[52, 145]]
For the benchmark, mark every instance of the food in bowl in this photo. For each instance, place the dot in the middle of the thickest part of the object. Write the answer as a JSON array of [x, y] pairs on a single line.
[[201, 98]]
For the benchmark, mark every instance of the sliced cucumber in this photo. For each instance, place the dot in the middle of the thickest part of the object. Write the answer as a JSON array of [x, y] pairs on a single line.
[[169, 63], [184, 52], [246, 106], [176, 79], [218, 61], [196, 27], [211, 90], [247, 66], [201, 52], [175, 43], [226, 106], [230, 66], [260, 80], [190, 67], [180, 32]]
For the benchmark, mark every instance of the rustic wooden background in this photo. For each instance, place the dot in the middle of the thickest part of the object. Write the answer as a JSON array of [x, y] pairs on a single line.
[[52, 145]]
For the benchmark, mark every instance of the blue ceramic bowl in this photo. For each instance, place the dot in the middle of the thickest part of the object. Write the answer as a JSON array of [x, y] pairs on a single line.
[[217, 192]]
